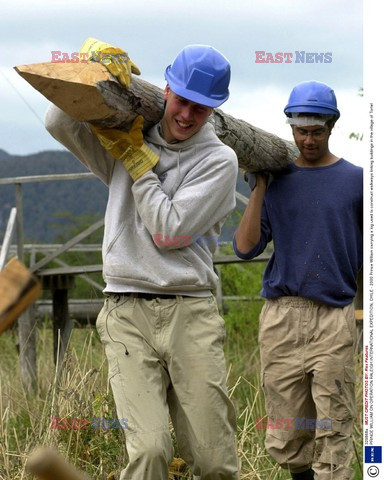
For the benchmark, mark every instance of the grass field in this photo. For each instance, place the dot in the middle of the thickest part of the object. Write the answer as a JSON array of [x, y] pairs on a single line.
[[81, 392]]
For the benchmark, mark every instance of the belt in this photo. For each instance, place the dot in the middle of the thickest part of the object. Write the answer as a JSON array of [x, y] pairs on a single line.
[[150, 296]]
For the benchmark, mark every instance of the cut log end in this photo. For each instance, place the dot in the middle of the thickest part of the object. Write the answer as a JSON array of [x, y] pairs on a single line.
[[47, 464], [19, 288]]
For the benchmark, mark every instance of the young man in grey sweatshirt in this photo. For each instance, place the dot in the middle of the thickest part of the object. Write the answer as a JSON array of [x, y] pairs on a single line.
[[160, 326]]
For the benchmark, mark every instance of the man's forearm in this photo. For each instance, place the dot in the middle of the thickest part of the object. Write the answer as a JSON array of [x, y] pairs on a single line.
[[249, 231]]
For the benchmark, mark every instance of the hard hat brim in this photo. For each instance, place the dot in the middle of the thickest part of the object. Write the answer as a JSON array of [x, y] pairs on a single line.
[[311, 109]]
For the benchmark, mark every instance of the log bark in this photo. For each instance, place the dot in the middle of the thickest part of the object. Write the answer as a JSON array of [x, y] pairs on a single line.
[[87, 92]]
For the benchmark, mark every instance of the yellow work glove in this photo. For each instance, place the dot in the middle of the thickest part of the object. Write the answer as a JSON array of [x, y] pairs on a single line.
[[113, 58], [128, 147]]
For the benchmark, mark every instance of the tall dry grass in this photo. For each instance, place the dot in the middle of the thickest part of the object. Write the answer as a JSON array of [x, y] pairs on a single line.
[[80, 391]]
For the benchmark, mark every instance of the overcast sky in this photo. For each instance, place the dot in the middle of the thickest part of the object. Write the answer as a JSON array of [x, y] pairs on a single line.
[[153, 32]]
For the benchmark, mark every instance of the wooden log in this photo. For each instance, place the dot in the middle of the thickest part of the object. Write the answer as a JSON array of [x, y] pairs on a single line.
[[87, 92], [19, 288], [48, 464]]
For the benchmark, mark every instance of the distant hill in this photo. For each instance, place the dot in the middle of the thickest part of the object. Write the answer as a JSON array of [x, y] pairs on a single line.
[[51, 207], [42, 202]]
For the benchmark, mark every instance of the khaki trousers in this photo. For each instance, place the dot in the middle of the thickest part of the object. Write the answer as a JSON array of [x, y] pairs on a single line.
[[307, 351], [166, 357]]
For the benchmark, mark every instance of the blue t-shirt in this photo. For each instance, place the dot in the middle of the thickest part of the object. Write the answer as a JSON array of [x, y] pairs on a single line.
[[314, 215]]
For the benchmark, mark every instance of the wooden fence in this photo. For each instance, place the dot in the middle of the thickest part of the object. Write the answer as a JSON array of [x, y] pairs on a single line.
[[59, 280]]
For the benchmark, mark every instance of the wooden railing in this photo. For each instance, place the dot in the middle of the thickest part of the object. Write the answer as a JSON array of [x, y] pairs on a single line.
[[61, 278]]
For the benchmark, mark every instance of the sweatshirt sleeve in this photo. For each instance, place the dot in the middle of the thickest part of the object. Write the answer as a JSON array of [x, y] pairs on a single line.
[[78, 138], [205, 197]]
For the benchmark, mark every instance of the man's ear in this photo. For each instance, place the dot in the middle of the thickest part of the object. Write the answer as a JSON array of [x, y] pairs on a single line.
[[166, 92]]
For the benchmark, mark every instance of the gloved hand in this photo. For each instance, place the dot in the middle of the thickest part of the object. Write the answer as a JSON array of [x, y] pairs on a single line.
[[113, 58], [128, 147]]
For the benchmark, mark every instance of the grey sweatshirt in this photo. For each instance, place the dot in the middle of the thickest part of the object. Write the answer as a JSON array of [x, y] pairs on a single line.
[[152, 225]]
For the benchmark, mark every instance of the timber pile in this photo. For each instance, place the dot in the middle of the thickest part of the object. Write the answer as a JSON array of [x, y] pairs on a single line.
[[88, 92]]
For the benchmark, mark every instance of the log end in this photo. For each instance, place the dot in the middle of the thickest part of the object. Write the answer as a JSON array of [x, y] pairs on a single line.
[[71, 87], [84, 73], [47, 464]]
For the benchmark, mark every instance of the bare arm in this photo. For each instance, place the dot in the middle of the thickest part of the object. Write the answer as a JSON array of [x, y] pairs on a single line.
[[249, 231]]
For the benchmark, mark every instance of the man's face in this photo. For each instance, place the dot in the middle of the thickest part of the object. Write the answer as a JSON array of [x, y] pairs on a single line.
[[312, 142], [182, 118]]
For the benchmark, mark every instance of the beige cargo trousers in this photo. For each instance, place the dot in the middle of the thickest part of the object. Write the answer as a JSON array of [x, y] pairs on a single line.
[[166, 358], [307, 351]]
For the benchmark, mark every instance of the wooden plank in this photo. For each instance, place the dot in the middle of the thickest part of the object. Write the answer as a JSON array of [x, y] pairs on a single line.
[[46, 178], [70, 270], [8, 237], [78, 238], [223, 259]]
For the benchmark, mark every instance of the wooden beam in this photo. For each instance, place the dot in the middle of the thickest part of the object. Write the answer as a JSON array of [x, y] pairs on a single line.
[[8, 237], [78, 238]]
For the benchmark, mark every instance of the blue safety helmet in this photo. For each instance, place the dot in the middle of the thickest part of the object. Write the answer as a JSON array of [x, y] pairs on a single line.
[[312, 97], [200, 73]]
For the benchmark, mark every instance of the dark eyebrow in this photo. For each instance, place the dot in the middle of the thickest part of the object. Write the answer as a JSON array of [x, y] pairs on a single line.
[[302, 129]]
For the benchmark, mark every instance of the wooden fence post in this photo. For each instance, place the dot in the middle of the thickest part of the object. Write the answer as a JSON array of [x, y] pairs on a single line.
[[26, 322]]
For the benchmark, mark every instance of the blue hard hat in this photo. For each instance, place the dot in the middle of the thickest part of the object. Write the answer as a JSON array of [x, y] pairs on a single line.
[[312, 97], [200, 73]]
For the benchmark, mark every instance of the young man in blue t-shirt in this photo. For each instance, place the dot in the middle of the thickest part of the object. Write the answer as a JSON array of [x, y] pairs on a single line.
[[313, 213]]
